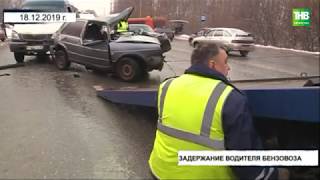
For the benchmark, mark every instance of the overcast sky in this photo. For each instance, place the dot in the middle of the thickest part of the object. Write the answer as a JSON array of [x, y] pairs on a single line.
[[102, 7]]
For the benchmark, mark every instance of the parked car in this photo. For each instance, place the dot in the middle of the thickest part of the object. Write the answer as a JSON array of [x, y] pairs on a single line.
[[178, 25], [201, 32], [148, 20], [85, 42], [159, 24], [35, 39], [169, 32], [143, 29], [230, 39]]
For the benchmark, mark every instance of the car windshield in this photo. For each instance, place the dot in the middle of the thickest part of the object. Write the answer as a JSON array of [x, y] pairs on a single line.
[[238, 31]]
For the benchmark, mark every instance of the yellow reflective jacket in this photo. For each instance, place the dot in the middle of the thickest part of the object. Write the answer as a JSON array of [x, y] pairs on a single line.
[[190, 117], [122, 26]]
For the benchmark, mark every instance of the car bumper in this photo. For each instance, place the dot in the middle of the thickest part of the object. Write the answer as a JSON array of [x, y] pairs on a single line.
[[240, 47], [30, 48], [155, 62]]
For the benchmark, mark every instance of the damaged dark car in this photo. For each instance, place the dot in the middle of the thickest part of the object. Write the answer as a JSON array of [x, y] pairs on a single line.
[[143, 29], [90, 43]]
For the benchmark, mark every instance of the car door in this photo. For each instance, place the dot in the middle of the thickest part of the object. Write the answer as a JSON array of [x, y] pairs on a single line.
[[71, 38], [94, 49], [217, 37], [227, 37], [209, 37]]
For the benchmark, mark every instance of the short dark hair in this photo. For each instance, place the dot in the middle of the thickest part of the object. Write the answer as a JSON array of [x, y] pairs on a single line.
[[203, 53]]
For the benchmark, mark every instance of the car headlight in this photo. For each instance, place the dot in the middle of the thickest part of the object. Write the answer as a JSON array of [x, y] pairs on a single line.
[[15, 35]]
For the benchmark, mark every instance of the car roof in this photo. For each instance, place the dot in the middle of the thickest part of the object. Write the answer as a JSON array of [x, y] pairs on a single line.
[[228, 29], [139, 25]]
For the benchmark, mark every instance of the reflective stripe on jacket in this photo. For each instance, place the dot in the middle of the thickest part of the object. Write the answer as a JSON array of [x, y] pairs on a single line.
[[190, 118]]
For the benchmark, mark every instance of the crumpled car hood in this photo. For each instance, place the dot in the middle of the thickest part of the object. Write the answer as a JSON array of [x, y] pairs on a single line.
[[114, 19], [153, 34]]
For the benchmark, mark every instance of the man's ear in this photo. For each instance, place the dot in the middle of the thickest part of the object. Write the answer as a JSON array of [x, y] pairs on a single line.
[[211, 64]]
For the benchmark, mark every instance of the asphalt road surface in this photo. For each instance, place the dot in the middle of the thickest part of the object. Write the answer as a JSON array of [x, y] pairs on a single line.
[[54, 126]]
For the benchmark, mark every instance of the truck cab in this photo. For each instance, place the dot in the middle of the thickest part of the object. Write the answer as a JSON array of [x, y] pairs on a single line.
[[36, 39]]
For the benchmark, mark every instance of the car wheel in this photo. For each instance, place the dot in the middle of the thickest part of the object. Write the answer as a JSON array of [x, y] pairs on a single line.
[[190, 41], [61, 59], [244, 53], [2, 40], [19, 57], [196, 45], [128, 69]]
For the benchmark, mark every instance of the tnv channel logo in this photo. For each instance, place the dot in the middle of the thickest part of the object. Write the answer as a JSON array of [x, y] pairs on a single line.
[[301, 17]]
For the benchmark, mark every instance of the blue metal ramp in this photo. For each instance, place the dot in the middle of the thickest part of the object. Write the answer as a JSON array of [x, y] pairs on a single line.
[[295, 104]]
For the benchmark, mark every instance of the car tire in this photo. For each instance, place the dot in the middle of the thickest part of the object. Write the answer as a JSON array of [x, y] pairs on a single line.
[[2, 40], [244, 53], [196, 45], [190, 41], [61, 59], [128, 69], [19, 57]]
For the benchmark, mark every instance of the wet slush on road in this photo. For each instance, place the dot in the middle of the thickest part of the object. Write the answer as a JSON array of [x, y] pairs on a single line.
[[53, 125]]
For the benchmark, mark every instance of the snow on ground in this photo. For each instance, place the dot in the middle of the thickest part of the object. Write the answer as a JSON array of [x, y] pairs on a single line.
[[182, 37], [295, 50]]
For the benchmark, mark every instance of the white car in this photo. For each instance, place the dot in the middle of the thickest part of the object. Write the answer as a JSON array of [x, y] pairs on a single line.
[[230, 39]]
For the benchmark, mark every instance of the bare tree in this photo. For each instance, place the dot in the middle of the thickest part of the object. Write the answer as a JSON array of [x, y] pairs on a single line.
[[269, 20]]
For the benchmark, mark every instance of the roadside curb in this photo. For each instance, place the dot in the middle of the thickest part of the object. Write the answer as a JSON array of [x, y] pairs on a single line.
[[287, 49]]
